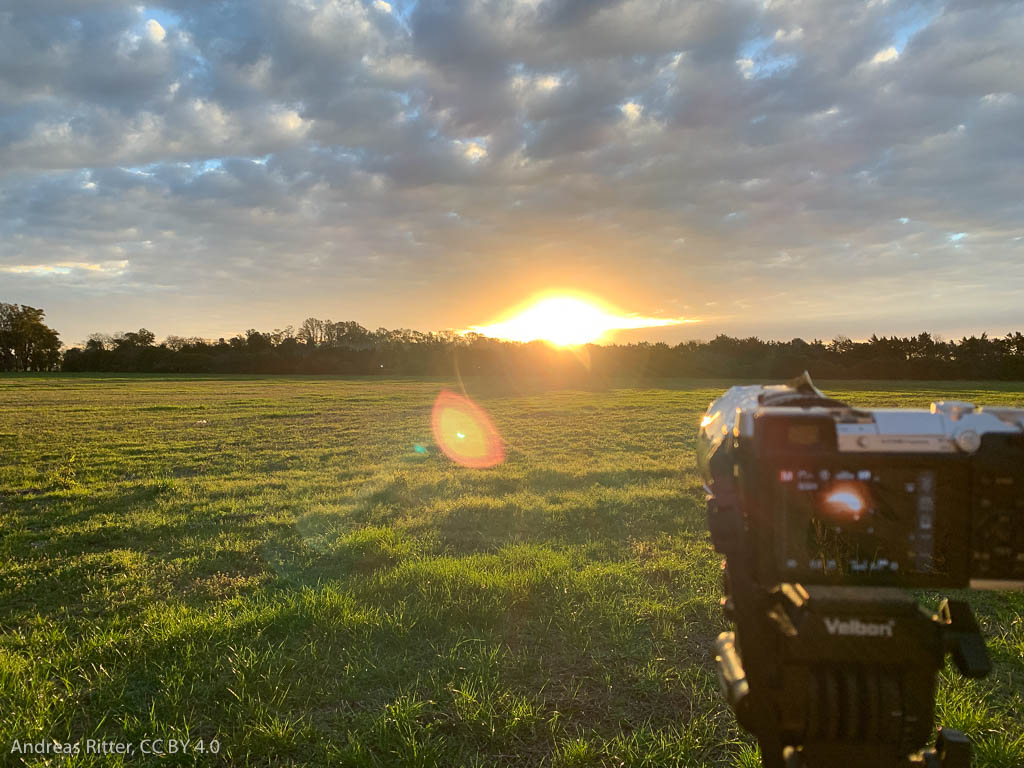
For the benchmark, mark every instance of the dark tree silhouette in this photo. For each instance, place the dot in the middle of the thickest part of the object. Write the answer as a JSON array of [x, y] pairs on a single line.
[[26, 342], [323, 346], [139, 338]]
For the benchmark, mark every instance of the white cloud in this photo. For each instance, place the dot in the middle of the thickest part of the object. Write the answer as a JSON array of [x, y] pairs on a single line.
[[632, 111], [789, 36], [380, 5], [66, 267], [473, 151], [289, 123], [998, 99], [154, 31], [886, 54], [533, 86]]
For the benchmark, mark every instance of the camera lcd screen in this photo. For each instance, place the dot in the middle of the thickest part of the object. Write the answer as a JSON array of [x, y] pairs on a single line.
[[857, 524]]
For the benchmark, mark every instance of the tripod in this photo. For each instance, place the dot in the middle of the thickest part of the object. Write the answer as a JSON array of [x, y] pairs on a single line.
[[829, 676]]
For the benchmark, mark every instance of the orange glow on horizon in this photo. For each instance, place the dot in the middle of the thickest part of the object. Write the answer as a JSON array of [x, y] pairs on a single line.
[[567, 319]]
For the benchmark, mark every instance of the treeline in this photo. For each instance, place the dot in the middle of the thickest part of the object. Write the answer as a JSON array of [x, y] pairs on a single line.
[[322, 346], [319, 347]]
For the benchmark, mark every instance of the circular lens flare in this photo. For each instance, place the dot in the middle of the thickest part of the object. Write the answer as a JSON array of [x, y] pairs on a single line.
[[464, 432]]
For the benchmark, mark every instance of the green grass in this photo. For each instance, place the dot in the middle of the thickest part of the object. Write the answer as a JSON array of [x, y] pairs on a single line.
[[269, 562]]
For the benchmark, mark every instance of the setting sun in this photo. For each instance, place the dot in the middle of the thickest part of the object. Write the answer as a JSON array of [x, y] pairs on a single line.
[[567, 320]]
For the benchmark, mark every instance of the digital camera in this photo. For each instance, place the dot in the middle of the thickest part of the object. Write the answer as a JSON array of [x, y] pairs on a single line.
[[832, 494]]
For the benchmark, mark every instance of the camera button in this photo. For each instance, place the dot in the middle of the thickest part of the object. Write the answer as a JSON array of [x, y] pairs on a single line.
[[968, 441]]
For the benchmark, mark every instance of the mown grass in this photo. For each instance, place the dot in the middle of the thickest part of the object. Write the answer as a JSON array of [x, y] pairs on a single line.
[[269, 562]]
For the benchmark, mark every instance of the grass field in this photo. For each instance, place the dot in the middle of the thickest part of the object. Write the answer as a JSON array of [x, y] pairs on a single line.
[[268, 562]]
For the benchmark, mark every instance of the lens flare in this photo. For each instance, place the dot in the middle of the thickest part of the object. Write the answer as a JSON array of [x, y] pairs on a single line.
[[464, 432]]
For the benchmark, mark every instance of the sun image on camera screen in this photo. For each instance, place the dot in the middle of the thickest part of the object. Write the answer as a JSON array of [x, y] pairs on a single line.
[[844, 503], [857, 523]]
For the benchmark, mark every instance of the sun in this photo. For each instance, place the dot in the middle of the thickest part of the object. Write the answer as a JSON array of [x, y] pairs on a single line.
[[565, 320]]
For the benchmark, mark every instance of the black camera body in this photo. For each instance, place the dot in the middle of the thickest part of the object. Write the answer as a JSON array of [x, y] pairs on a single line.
[[823, 512]]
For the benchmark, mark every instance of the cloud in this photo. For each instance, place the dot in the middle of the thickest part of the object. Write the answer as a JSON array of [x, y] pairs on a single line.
[[472, 150], [309, 154], [632, 110], [888, 54], [65, 267], [154, 31]]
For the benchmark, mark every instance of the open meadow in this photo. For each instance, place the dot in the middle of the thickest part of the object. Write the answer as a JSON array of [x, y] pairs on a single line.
[[272, 563]]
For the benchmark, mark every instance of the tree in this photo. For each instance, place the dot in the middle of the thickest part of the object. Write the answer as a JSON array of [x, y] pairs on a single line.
[[140, 338], [348, 333], [26, 343], [312, 331], [842, 345]]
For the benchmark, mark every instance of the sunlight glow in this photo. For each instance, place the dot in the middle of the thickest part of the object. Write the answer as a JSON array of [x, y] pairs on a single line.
[[565, 319]]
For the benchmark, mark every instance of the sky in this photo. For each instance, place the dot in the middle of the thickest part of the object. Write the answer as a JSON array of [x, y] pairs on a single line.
[[768, 168]]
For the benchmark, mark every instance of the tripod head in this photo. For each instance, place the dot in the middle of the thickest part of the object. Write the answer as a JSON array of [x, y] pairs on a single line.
[[826, 676]]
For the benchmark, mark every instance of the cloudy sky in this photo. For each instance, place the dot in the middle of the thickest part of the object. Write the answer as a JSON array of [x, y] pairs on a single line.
[[774, 168]]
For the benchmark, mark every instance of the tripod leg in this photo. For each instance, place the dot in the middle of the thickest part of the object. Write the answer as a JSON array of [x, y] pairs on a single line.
[[773, 755], [792, 758], [954, 748]]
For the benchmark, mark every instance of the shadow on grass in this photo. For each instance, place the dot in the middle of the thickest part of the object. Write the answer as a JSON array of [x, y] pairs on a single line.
[[455, 658], [75, 551], [44, 508]]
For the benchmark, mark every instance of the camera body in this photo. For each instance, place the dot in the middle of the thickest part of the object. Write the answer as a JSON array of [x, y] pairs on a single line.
[[883, 497], [824, 512]]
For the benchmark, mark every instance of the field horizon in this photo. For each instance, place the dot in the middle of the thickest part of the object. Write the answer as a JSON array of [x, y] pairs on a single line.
[[290, 565]]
